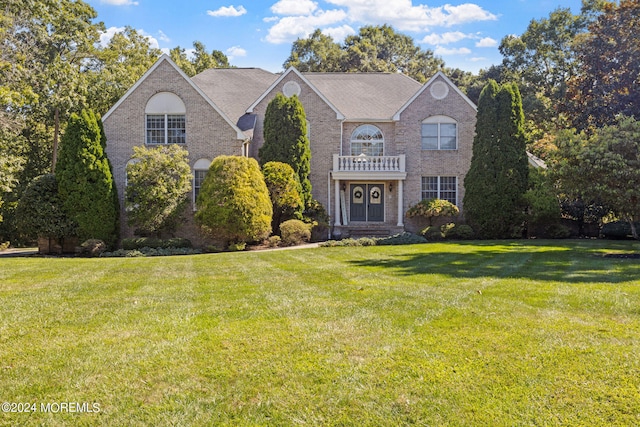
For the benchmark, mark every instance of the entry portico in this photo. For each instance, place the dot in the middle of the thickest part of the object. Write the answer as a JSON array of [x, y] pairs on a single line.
[[367, 179]]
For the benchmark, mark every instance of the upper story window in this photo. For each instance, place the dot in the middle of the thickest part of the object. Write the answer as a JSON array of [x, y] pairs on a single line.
[[439, 133], [367, 140], [165, 119]]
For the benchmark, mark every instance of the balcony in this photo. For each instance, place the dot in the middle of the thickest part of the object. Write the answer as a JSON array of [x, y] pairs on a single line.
[[369, 167]]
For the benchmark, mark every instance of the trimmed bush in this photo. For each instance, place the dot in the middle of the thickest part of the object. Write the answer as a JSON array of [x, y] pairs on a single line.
[[284, 190], [457, 231], [295, 232], [151, 242], [234, 204], [40, 211], [92, 248], [433, 208]]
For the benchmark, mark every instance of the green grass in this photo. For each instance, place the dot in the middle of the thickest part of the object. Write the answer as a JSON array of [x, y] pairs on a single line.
[[524, 333]]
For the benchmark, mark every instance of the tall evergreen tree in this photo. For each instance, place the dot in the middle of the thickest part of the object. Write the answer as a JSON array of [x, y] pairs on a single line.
[[85, 182], [285, 139], [498, 177]]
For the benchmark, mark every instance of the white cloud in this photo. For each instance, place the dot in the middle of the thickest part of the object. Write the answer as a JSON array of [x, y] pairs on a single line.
[[486, 42], [290, 28], [227, 11], [445, 38], [163, 37], [466, 13], [120, 2], [236, 52], [294, 7], [339, 33], [404, 16], [455, 51]]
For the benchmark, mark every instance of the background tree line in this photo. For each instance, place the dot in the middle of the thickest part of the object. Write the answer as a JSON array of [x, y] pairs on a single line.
[[574, 71]]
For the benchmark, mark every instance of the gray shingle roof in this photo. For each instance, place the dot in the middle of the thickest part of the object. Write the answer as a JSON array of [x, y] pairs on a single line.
[[234, 89], [373, 96]]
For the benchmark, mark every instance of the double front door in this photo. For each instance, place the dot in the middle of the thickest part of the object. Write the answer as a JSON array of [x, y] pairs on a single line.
[[367, 202]]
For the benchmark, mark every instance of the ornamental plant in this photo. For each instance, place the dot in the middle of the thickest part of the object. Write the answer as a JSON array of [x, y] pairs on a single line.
[[284, 190], [433, 208], [85, 183], [39, 212], [233, 203], [158, 187]]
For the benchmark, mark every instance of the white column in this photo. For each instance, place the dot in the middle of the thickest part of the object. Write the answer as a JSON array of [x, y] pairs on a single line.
[[337, 201], [400, 203]]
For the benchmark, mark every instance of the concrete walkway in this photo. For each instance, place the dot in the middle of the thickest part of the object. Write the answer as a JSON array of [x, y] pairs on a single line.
[[16, 252]]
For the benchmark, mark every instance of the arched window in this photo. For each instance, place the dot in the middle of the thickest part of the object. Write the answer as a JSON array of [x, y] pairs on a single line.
[[200, 169], [439, 133], [367, 140], [165, 119]]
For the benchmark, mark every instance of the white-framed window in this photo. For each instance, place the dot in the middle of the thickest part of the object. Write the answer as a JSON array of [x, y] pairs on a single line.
[[439, 133], [440, 187], [367, 140], [165, 119], [200, 169]]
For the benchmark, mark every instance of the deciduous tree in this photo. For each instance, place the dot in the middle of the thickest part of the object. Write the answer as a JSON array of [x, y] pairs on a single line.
[[609, 58]]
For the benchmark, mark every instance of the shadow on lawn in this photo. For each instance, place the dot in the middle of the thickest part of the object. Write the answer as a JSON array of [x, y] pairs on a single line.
[[573, 263]]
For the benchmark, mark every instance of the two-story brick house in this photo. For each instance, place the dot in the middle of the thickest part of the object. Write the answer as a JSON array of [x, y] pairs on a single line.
[[380, 142]]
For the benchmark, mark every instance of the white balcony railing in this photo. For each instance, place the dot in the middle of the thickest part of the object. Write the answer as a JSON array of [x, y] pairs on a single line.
[[373, 164]]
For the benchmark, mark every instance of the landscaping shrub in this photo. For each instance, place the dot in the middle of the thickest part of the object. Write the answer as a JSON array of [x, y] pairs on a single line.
[[274, 241], [433, 208], [40, 210], [92, 248], [295, 232], [151, 242], [617, 230], [457, 231], [284, 190], [559, 231], [404, 238], [234, 204], [146, 251]]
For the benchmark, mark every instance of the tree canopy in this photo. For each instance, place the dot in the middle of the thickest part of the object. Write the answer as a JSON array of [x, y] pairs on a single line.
[[374, 48]]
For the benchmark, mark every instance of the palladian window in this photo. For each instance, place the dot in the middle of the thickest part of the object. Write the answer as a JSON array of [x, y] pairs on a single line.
[[367, 140], [165, 119]]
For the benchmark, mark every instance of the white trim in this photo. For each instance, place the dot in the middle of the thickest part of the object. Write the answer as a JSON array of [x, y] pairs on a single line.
[[163, 58], [396, 116], [339, 115]]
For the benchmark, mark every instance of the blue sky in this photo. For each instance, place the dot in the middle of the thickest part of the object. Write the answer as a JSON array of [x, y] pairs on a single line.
[[259, 33]]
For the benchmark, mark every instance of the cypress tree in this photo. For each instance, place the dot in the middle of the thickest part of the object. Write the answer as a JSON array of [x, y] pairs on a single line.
[[85, 182], [285, 139], [498, 176]]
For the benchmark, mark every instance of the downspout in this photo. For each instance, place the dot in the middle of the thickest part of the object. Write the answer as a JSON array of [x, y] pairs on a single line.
[[329, 203]]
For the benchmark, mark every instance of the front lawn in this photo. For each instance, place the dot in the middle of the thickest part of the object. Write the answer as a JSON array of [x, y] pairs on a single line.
[[448, 334]]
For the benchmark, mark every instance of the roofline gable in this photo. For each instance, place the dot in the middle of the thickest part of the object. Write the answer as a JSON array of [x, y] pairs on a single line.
[[290, 70], [164, 57], [424, 87]]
